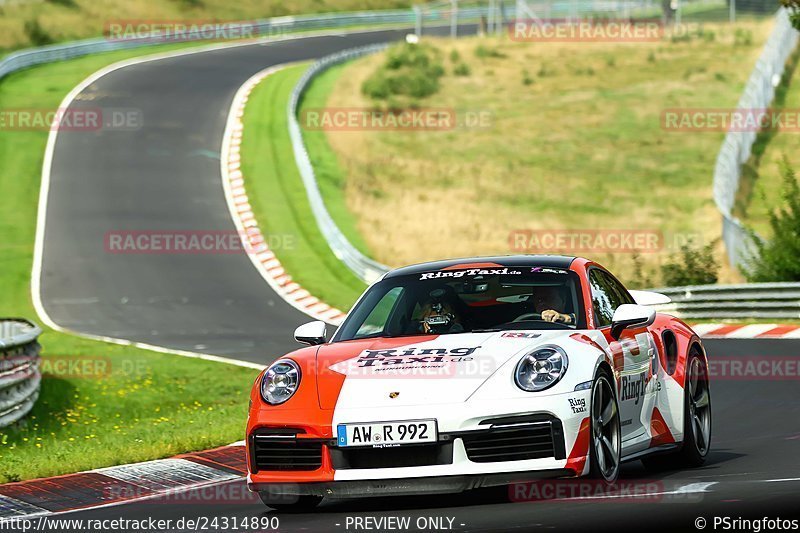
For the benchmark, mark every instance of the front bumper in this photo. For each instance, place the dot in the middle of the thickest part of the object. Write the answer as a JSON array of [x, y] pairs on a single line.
[[400, 487], [455, 464]]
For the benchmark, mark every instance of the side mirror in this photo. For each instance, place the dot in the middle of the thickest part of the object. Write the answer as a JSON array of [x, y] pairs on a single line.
[[312, 333], [629, 316]]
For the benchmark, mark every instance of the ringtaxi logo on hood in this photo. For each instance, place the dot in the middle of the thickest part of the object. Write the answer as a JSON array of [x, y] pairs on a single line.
[[468, 272], [415, 355], [418, 363]]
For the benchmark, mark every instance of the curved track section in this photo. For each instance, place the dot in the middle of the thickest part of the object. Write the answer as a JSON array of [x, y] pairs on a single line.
[[165, 177]]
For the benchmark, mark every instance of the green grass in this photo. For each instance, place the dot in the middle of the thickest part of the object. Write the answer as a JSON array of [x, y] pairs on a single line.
[[152, 405], [279, 199]]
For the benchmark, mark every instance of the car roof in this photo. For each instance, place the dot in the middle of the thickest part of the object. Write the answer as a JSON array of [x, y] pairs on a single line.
[[552, 261]]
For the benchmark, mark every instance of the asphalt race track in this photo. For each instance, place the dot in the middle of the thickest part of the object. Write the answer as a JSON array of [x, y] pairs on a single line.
[[751, 472], [166, 177]]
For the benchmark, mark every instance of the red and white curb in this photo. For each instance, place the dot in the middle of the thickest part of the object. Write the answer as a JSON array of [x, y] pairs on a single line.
[[233, 182], [749, 331], [183, 479]]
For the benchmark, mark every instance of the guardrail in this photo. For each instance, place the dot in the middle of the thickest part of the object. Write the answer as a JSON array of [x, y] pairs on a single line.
[[273, 27], [753, 300], [20, 377], [737, 146], [264, 28], [362, 266]]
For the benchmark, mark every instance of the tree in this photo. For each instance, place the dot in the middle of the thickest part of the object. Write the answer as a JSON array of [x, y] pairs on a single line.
[[779, 258], [794, 11]]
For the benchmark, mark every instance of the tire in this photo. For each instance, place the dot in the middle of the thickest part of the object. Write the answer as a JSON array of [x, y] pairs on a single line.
[[696, 420], [298, 504], [605, 446]]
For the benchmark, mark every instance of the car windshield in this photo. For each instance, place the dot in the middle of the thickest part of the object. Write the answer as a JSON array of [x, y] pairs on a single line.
[[467, 300]]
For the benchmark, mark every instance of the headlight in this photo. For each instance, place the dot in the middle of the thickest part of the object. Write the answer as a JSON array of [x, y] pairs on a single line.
[[280, 381], [541, 369]]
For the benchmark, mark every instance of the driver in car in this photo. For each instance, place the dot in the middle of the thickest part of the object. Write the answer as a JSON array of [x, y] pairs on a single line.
[[439, 315], [546, 301]]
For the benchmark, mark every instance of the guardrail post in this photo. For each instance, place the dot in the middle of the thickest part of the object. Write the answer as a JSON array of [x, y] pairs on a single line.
[[453, 18]]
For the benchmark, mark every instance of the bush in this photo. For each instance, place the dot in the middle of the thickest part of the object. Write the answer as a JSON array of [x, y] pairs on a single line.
[[411, 71], [64, 3], [462, 69], [742, 37], [526, 78], [37, 35], [794, 11], [485, 52], [779, 258], [691, 266]]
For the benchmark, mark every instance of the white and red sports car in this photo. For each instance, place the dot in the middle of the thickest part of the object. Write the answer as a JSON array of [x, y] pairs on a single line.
[[460, 374]]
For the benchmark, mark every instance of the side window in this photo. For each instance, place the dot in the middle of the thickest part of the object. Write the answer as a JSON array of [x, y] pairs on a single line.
[[601, 298], [620, 294], [377, 320], [607, 295]]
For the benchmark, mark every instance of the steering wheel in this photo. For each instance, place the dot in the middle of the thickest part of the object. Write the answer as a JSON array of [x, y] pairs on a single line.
[[528, 316]]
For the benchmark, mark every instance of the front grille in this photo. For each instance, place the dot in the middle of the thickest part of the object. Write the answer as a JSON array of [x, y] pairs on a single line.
[[510, 444], [281, 451], [398, 456]]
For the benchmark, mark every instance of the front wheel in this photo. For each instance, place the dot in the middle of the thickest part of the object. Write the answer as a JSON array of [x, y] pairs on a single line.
[[604, 454], [298, 504]]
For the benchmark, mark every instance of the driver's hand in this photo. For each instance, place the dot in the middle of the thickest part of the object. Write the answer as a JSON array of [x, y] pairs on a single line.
[[550, 315]]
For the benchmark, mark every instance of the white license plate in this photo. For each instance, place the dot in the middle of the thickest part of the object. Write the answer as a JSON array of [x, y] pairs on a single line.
[[387, 433]]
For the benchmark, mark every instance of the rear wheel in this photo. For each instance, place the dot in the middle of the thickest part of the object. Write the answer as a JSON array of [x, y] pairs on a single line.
[[696, 420], [604, 453], [289, 504]]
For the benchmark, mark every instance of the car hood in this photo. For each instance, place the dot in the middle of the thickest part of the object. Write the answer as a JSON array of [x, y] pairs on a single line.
[[417, 370]]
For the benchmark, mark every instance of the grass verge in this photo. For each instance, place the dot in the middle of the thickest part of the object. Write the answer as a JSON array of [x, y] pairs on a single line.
[[575, 142], [143, 405], [278, 198]]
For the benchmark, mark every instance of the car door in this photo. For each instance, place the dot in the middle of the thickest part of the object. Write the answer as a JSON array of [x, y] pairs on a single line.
[[632, 353]]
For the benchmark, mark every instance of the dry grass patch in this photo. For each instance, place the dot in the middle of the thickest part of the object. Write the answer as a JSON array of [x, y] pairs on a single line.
[[574, 142]]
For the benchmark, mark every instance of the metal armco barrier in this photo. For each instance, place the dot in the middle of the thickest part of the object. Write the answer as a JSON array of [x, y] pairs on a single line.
[[362, 266], [753, 300], [737, 146], [20, 377], [274, 27]]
